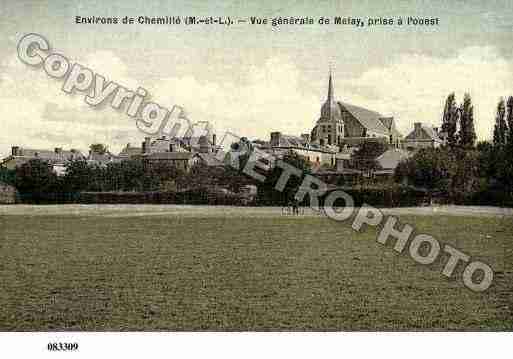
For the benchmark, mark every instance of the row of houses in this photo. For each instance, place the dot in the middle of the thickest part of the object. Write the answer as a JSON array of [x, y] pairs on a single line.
[[342, 128], [182, 153], [337, 133]]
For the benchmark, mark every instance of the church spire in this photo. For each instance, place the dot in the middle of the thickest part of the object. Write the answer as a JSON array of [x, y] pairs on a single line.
[[330, 89], [330, 110]]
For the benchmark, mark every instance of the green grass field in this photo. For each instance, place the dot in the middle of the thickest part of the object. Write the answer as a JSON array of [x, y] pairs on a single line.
[[103, 272]]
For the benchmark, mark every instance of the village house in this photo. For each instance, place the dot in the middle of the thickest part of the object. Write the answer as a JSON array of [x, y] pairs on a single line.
[[58, 158], [281, 144], [182, 153], [423, 136], [130, 152], [207, 159], [180, 160], [101, 159]]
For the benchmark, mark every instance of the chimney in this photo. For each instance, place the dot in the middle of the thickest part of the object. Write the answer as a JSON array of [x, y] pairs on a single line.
[[146, 145], [275, 139], [417, 126], [214, 140], [204, 144], [57, 150], [16, 151]]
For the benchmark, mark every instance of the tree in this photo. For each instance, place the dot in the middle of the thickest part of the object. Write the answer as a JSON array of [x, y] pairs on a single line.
[[267, 191], [364, 158], [430, 168], [36, 179], [78, 176], [7, 176], [158, 176], [467, 136], [509, 122], [500, 129], [450, 120], [487, 160], [98, 148]]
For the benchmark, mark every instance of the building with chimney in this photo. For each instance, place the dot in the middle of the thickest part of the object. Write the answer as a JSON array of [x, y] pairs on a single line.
[[423, 136], [56, 158]]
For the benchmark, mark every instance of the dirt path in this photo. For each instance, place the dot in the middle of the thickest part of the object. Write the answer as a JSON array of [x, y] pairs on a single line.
[[230, 211]]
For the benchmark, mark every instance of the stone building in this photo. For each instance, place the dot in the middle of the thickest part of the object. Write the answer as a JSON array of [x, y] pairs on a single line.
[[129, 152], [56, 158], [423, 136], [329, 129], [342, 124], [180, 160], [318, 155], [340, 127]]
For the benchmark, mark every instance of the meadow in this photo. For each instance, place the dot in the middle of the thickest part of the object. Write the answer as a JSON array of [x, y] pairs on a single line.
[[167, 268]]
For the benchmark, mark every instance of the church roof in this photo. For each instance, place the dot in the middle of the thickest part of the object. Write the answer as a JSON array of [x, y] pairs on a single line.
[[371, 120]]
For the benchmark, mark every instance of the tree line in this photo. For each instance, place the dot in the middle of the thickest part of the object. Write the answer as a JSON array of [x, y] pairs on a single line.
[[461, 171]]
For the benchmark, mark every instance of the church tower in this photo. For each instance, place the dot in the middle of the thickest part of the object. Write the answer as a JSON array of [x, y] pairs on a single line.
[[330, 126]]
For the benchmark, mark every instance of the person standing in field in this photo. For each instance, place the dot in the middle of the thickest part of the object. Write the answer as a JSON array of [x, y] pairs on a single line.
[[295, 207]]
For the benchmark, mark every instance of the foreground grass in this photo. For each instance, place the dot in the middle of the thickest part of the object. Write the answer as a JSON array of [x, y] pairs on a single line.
[[173, 273]]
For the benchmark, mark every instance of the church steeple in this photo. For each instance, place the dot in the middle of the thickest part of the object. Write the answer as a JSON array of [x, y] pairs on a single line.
[[330, 126], [330, 110], [330, 89]]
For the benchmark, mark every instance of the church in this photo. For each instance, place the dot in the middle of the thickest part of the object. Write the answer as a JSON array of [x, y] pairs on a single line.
[[340, 127], [342, 124]]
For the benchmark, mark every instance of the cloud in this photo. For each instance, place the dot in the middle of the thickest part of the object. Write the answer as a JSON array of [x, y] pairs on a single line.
[[414, 87], [37, 113], [269, 97], [53, 137]]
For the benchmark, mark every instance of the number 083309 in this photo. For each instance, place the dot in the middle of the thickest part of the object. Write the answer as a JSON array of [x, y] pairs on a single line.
[[62, 347]]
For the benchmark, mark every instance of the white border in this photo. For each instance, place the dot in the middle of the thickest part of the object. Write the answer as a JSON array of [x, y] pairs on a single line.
[[260, 345]]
